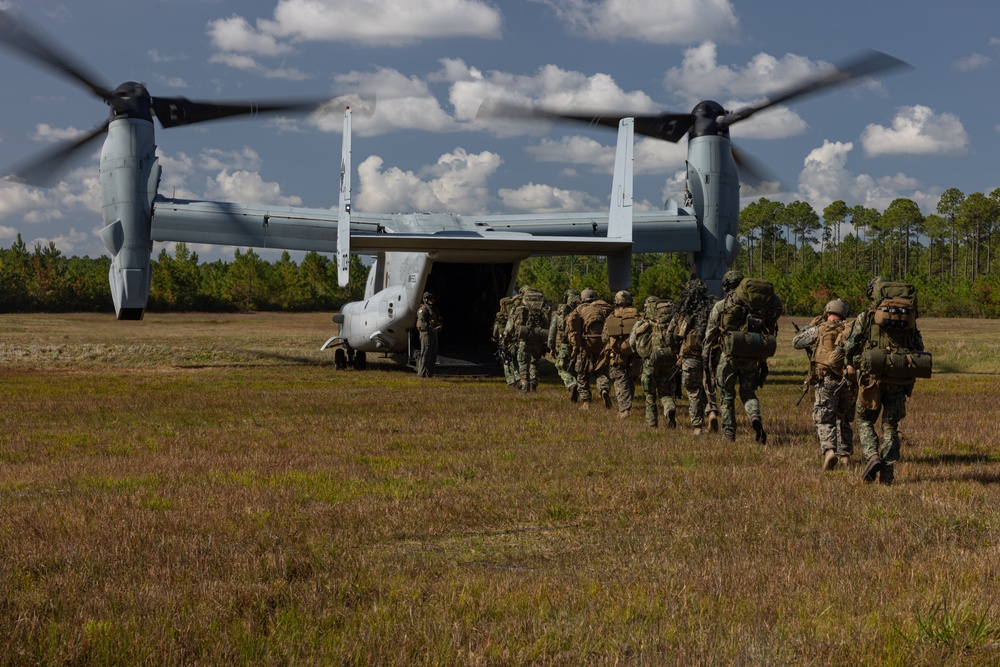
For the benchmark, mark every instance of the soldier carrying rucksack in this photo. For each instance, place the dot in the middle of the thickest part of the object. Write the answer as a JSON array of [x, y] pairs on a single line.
[[835, 391], [528, 325], [687, 326], [558, 342], [742, 334], [886, 350], [585, 326], [651, 338], [615, 335]]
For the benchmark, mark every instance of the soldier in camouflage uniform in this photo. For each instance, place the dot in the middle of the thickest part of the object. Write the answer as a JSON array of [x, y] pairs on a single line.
[[835, 390], [528, 327], [591, 364], [732, 371], [659, 361], [506, 348], [877, 396], [558, 342], [616, 332], [429, 323], [688, 326]]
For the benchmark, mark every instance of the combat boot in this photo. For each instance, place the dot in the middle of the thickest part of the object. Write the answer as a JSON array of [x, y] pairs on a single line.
[[672, 419], [731, 437], [829, 460], [607, 399], [760, 435], [574, 393], [845, 461], [886, 475], [872, 469], [713, 422]]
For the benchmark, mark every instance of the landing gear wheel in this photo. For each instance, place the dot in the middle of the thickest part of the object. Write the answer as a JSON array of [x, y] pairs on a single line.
[[340, 359], [360, 362]]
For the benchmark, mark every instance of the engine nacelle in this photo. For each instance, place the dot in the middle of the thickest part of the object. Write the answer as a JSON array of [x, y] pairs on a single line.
[[378, 324], [130, 174]]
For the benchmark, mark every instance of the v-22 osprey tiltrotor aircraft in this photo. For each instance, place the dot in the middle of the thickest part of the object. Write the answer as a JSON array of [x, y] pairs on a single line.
[[468, 261]]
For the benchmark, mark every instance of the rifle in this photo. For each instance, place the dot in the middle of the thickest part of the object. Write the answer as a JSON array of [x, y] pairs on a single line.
[[806, 382]]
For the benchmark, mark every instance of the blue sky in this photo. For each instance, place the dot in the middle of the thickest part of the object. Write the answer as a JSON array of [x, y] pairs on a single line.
[[913, 133]]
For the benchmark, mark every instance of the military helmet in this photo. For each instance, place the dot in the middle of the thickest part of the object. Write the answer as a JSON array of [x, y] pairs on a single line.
[[524, 288], [837, 307], [870, 291], [647, 305], [570, 293], [623, 298], [428, 296], [663, 310], [588, 295], [731, 280]]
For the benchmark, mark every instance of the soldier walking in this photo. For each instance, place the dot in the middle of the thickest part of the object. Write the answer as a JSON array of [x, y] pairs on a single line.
[[615, 335], [835, 390], [586, 326], [688, 326], [558, 342]]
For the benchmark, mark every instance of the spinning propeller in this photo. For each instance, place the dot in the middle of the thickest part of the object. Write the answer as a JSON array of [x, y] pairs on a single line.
[[708, 118], [130, 100]]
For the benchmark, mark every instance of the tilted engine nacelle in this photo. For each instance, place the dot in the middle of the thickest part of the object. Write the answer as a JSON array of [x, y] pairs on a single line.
[[714, 185], [130, 174], [378, 324]]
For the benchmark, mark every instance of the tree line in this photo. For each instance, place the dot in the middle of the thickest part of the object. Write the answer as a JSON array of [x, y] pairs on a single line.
[[44, 280], [811, 258]]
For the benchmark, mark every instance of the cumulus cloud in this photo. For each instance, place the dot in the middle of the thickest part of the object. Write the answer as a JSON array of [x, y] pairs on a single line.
[[377, 22], [825, 178], [917, 130], [242, 185], [251, 65], [971, 62], [456, 183], [656, 21], [540, 198], [651, 156]]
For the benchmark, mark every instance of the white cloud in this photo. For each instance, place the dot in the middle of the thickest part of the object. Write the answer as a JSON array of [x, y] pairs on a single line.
[[651, 156], [375, 22], [917, 130], [404, 103], [49, 133], [972, 62], [247, 186], [656, 21], [456, 183], [249, 64], [539, 198], [825, 179]]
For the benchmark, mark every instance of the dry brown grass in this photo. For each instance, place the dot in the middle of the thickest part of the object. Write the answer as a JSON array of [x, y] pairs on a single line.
[[207, 490]]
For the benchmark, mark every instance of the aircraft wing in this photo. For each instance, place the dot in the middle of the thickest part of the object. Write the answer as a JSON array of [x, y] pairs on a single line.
[[293, 228]]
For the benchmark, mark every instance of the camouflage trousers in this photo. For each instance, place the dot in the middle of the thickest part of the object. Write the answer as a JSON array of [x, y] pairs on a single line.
[[565, 365], [620, 373], [510, 366], [528, 355], [833, 412], [585, 371], [700, 402], [428, 353], [889, 400], [731, 372], [658, 386]]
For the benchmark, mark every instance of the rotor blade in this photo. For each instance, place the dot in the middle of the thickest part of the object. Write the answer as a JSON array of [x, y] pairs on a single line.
[[43, 170], [753, 173], [666, 126], [867, 63], [174, 111], [16, 34]]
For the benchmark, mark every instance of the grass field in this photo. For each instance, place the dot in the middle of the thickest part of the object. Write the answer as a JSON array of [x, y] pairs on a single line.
[[206, 489]]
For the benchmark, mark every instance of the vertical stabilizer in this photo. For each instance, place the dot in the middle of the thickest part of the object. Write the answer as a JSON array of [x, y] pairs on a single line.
[[620, 213], [344, 211]]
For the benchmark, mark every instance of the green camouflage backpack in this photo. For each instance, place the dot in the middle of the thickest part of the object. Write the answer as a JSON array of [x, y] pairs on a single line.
[[890, 355], [750, 320], [533, 317]]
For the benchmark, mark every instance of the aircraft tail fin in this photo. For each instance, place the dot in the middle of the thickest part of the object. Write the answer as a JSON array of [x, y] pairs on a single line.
[[620, 213], [344, 210]]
